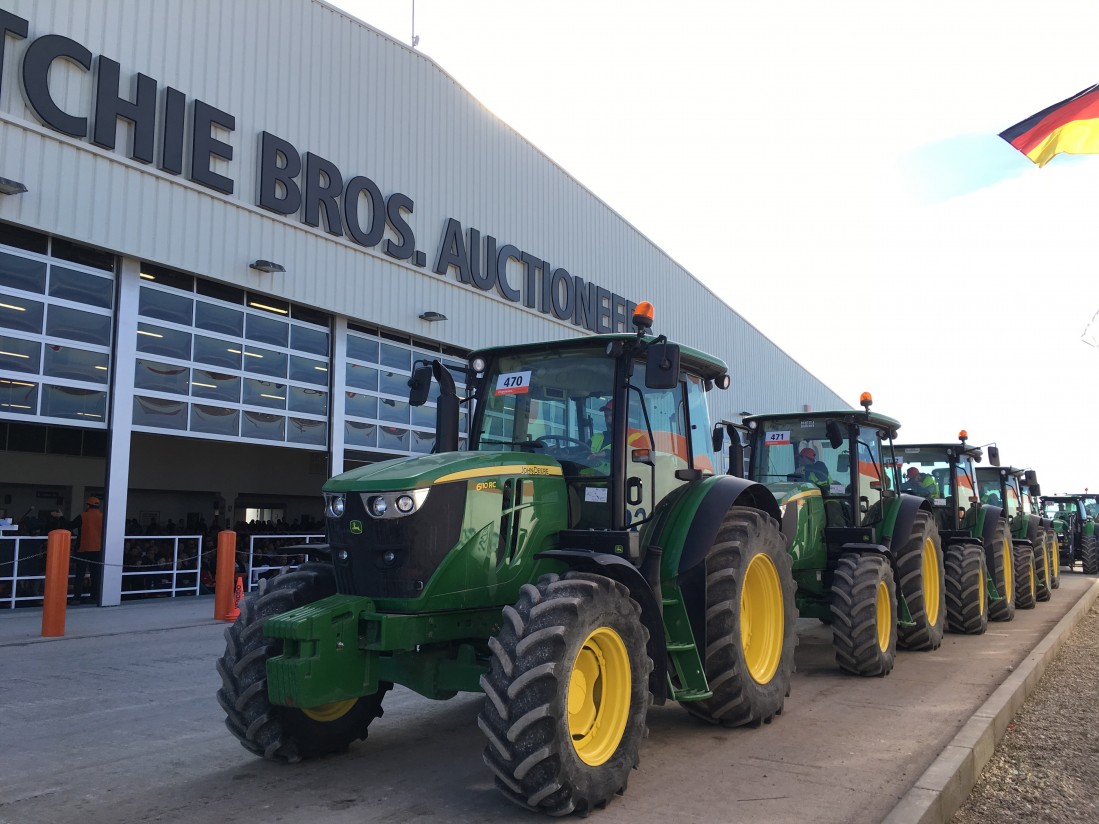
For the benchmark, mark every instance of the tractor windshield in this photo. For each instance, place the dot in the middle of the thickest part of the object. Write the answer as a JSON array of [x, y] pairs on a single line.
[[557, 401], [1058, 509], [793, 456], [932, 473], [561, 403]]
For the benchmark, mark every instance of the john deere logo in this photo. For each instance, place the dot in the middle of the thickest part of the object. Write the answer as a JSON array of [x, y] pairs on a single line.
[[356, 527]]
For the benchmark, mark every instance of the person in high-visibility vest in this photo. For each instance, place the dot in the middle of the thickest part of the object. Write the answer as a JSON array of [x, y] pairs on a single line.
[[89, 550], [920, 483]]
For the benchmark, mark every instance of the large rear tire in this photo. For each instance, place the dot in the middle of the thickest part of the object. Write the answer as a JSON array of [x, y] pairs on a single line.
[[1026, 578], [567, 694], [284, 733], [920, 583], [1043, 589], [864, 615], [751, 622], [1089, 555], [1001, 563], [966, 599]]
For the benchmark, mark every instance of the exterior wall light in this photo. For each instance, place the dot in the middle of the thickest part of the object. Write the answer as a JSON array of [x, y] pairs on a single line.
[[266, 266], [431, 317], [11, 187]]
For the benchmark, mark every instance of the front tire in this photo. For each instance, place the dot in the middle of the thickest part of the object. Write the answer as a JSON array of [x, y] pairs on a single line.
[[751, 622], [966, 599], [567, 694], [920, 583], [1001, 563], [1026, 579], [284, 733], [864, 615]]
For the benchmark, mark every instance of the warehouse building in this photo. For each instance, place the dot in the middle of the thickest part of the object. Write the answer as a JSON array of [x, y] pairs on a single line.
[[227, 231]]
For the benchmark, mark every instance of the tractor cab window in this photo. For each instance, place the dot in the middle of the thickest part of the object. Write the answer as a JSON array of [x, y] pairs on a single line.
[[791, 456], [875, 480], [549, 403], [926, 473], [701, 444], [657, 444], [989, 490], [1013, 501]]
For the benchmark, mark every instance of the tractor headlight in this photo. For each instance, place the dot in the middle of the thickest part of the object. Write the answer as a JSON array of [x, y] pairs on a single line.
[[335, 505], [395, 504]]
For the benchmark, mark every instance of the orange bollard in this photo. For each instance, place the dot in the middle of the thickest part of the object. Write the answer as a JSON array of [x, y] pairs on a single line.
[[225, 608], [58, 543]]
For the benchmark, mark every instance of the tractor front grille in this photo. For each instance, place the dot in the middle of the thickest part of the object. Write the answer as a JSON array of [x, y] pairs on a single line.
[[395, 557]]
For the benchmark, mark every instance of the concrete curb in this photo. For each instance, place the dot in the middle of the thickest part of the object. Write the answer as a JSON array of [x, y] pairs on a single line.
[[947, 783]]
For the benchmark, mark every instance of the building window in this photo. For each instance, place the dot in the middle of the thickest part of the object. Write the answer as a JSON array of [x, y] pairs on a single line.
[[56, 328], [232, 362]]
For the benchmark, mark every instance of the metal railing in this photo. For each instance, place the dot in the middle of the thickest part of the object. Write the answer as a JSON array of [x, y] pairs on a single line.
[[271, 560], [22, 570], [170, 571], [165, 574]]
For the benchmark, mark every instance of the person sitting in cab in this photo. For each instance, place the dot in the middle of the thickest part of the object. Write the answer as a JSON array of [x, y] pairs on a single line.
[[920, 483], [812, 470]]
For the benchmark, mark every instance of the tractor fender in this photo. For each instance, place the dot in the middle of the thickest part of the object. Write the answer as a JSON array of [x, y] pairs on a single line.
[[621, 570], [993, 515], [906, 516], [725, 492]]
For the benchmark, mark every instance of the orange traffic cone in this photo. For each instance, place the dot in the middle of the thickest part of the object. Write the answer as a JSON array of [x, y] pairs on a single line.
[[238, 596]]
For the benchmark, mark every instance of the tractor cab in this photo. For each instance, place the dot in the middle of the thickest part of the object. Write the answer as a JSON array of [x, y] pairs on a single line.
[[1010, 487], [623, 419], [843, 458], [945, 474]]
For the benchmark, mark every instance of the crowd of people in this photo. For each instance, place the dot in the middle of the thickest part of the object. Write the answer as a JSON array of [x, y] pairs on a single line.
[[157, 559]]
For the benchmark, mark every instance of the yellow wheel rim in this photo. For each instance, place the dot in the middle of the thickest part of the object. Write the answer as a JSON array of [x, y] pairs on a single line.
[[330, 712], [1056, 557], [1009, 574], [761, 619], [981, 591], [885, 617], [599, 696], [931, 581], [1033, 585]]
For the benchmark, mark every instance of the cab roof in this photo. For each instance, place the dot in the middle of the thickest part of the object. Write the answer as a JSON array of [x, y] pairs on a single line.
[[691, 360], [847, 415], [975, 452]]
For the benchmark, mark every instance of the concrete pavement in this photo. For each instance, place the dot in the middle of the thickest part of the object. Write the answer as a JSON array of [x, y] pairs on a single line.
[[117, 722]]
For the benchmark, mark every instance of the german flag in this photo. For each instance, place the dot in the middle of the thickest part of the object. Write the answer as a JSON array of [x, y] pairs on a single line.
[[1071, 126]]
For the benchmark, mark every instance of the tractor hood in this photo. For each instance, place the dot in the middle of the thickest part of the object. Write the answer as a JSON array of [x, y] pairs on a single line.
[[426, 470]]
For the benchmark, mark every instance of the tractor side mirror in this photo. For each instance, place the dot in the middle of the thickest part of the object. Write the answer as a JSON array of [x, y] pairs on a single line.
[[843, 462], [835, 434], [994, 455], [419, 385], [1035, 489], [717, 437], [662, 366], [1031, 477]]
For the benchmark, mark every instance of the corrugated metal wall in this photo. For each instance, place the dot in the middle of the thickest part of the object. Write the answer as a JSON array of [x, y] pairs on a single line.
[[330, 85]]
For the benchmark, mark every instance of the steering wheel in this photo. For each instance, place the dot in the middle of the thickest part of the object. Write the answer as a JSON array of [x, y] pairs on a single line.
[[564, 440]]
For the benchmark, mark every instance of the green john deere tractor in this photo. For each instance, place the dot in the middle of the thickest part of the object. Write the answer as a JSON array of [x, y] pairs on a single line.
[[1035, 571], [573, 575], [866, 557], [1076, 529], [979, 561]]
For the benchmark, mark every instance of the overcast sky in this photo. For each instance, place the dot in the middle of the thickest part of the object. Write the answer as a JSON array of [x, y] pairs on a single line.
[[847, 192]]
